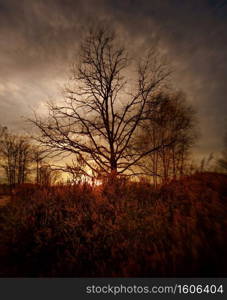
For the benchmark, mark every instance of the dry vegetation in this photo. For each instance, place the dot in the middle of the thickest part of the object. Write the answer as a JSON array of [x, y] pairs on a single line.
[[117, 229]]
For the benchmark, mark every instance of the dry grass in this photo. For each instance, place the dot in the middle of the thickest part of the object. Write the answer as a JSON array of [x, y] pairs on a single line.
[[121, 229]]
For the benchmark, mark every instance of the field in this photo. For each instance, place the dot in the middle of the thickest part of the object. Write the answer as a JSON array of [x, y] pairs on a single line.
[[119, 229]]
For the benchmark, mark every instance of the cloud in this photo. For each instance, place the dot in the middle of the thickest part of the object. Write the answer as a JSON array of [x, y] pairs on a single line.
[[39, 39]]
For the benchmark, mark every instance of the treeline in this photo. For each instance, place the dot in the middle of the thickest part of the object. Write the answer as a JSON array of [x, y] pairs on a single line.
[[22, 161]]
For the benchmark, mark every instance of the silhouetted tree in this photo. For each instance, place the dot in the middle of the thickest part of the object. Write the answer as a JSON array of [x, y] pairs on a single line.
[[222, 162], [39, 156], [173, 120], [105, 104], [15, 153], [48, 175]]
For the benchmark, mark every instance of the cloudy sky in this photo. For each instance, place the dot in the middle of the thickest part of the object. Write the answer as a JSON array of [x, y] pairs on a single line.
[[38, 39]]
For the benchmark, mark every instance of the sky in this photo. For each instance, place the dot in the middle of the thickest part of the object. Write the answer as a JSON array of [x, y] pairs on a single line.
[[39, 40]]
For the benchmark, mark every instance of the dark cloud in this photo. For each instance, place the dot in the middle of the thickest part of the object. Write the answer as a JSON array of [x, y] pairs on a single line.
[[38, 39]]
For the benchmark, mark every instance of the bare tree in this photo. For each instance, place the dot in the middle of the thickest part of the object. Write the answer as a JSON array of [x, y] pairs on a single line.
[[3, 129], [222, 162], [173, 120], [15, 152], [48, 175], [104, 106], [23, 160], [39, 156]]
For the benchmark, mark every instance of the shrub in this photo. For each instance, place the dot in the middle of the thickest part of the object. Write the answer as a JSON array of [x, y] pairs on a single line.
[[118, 229]]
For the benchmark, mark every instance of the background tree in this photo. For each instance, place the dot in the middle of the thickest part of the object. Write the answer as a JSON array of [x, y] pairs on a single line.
[[39, 156], [48, 175], [222, 162], [172, 120], [104, 106], [16, 157]]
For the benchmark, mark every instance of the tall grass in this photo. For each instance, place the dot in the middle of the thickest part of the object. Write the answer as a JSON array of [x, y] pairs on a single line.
[[118, 229]]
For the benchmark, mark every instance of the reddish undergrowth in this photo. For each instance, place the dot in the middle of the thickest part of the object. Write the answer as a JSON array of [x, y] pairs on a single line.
[[119, 229]]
